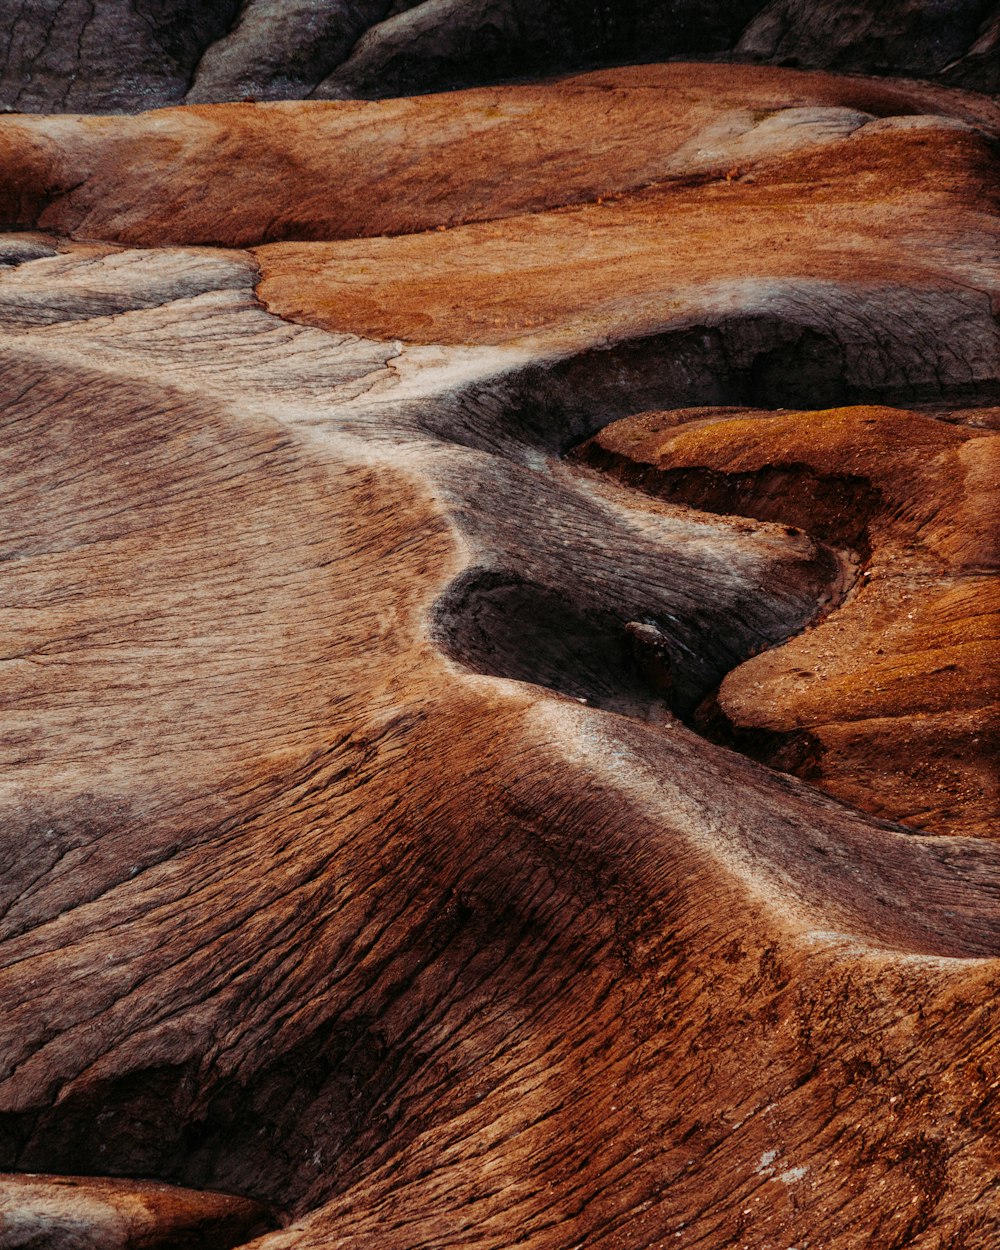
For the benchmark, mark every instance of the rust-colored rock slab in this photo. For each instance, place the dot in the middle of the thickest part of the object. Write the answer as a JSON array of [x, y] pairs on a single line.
[[887, 703], [829, 219], [241, 174]]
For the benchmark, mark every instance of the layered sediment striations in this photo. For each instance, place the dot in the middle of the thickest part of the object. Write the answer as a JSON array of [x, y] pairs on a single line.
[[435, 533]]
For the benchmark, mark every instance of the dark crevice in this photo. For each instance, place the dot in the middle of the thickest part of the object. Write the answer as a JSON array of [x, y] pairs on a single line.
[[498, 623], [235, 10], [794, 751], [650, 664], [603, 643], [759, 360], [837, 508]]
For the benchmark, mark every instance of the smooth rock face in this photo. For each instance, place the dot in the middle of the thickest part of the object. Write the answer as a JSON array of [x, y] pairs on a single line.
[[108, 55], [248, 174], [90, 1213], [360, 856], [760, 248], [281, 49]]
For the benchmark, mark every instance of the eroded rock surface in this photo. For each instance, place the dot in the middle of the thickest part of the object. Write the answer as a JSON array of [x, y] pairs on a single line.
[[245, 174], [107, 55], [90, 1213], [951, 39], [355, 864], [891, 701]]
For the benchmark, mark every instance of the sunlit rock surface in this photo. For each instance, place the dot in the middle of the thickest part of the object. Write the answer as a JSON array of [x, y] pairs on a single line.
[[367, 850]]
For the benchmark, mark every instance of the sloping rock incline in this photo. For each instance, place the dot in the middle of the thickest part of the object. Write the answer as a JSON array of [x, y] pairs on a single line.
[[362, 857]]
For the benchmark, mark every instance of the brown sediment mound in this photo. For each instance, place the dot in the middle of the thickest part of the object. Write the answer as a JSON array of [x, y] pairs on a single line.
[[353, 861], [239, 174], [892, 697]]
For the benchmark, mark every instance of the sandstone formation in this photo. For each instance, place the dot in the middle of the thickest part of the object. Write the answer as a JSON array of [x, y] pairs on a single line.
[[245, 174], [890, 702], [364, 857], [45, 1212], [114, 55]]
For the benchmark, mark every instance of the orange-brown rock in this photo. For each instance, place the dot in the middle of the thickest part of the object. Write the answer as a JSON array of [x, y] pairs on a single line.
[[776, 201], [251, 173], [889, 702], [300, 907], [90, 1213], [357, 857], [807, 226]]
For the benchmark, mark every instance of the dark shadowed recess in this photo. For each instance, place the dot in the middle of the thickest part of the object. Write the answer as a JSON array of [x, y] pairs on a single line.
[[835, 507], [570, 636], [485, 42], [754, 361], [577, 640], [105, 55]]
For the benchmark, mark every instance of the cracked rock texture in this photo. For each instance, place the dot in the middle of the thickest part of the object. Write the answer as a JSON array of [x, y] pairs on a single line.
[[119, 55], [367, 853]]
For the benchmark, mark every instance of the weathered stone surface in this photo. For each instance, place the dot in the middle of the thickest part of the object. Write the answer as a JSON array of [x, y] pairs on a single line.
[[953, 38], [889, 702], [108, 55], [354, 861], [93, 1213], [260, 173], [104, 55]]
